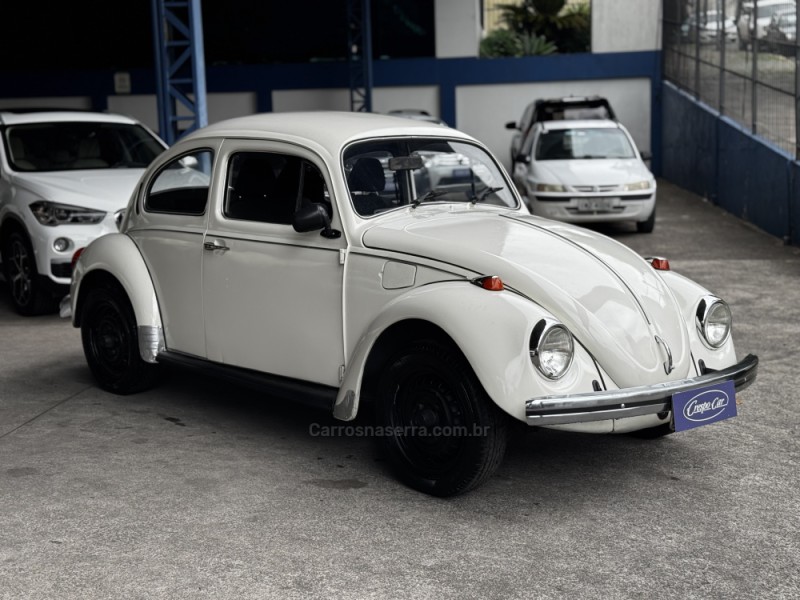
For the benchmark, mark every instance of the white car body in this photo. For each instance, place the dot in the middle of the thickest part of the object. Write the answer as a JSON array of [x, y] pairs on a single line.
[[105, 190], [320, 313], [586, 190]]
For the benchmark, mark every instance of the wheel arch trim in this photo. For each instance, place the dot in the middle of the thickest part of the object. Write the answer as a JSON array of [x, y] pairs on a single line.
[[491, 329], [116, 256]]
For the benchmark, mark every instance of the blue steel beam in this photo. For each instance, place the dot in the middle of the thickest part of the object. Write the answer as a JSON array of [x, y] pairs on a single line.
[[359, 54], [180, 67]]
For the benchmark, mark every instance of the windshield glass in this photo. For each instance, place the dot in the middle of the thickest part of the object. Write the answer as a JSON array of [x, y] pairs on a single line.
[[80, 145], [390, 173], [564, 144]]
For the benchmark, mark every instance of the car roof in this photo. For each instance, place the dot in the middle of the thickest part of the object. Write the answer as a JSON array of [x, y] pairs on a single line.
[[581, 124], [331, 129], [10, 116]]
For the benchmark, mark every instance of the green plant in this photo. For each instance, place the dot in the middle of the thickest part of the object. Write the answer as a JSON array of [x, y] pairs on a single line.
[[500, 42], [536, 45], [569, 29]]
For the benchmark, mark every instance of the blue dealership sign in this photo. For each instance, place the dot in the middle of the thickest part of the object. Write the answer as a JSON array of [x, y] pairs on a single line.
[[704, 405]]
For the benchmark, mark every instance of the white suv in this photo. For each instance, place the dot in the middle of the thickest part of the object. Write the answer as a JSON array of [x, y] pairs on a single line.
[[65, 179]]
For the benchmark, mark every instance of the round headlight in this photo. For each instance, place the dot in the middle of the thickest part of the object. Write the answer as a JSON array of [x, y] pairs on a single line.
[[551, 349], [714, 321]]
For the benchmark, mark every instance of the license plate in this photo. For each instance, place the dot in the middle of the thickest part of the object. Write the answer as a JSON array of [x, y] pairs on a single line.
[[704, 405], [462, 173], [595, 204]]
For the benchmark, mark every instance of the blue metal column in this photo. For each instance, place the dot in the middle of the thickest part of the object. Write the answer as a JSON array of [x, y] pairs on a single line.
[[180, 67], [359, 54]]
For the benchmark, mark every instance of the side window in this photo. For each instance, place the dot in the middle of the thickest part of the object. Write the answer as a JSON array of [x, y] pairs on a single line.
[[181, 187], [269, 187]]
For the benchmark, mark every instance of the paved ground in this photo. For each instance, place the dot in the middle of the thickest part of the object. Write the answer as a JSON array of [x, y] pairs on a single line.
[[201, 490]]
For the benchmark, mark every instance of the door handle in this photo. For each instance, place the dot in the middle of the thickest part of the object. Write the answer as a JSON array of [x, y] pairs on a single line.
[[215, 245]]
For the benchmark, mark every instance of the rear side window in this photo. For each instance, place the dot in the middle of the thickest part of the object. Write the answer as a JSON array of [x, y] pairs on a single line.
[[181, 187]]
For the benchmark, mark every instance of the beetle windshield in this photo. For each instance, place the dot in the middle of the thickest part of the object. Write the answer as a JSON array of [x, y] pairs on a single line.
[[390, 173]]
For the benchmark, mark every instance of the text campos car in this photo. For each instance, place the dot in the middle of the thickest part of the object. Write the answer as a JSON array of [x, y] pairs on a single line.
[[65, 178], [313, 254]]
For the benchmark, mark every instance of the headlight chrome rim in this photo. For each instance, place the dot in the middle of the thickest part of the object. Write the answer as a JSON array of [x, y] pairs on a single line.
[[713, 312], [544, 343]]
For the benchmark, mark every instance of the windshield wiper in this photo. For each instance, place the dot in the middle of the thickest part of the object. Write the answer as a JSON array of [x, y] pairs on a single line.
[[429, 196], [482, 196]]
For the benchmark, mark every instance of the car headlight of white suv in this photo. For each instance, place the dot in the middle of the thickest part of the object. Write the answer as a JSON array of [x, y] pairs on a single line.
[[52, 214], [551, 348]]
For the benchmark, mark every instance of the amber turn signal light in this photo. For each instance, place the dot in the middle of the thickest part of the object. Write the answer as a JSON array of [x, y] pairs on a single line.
[[659, 264], [491, 282]]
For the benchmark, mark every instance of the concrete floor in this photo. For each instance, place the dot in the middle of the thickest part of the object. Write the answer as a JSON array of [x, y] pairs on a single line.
[[198, 489]]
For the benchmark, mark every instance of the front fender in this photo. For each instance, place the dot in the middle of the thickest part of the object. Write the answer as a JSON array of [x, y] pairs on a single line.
[[688, 294], [492, 330], [117, 255]]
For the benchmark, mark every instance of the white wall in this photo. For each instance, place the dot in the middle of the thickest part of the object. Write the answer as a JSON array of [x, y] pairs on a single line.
[[626, 26], [458, 28], [384, 99], [483, 111], [220, 106]]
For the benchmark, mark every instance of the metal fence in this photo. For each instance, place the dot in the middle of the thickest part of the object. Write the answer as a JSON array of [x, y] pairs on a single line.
[[741, 58]]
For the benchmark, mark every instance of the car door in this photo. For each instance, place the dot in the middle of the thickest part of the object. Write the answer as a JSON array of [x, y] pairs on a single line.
[[168, 228], [272, 296]]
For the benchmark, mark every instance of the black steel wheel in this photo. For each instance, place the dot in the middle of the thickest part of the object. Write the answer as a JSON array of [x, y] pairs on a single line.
[[441, 432], [19, 264], [111, 343]]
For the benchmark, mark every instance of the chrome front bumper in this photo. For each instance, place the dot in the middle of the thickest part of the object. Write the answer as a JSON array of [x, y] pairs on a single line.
[[631, 402]]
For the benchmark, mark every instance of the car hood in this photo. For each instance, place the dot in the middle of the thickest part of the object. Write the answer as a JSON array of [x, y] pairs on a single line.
[[611, 299], [593, 172], [99, 189]]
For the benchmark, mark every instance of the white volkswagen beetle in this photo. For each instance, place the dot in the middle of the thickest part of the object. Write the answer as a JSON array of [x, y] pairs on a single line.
[[360, 261]]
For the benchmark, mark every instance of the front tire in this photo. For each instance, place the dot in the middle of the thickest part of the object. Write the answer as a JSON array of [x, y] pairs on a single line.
[[19, 264], [111, 343], [441, 432]]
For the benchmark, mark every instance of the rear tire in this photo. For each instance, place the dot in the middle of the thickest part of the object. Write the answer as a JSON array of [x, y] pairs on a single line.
[[111, 342], [19, 266], [441, 432]]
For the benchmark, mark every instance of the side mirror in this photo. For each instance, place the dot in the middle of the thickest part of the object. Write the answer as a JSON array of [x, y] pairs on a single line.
[[511, 125], [311, 217], [646, 155], [522, 158]]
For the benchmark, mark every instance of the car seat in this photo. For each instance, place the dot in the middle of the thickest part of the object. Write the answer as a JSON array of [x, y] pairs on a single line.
[[366, 182]]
